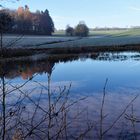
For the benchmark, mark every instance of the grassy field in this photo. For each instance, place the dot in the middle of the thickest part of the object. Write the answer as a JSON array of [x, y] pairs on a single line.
[[96, 39], [34, 45], [127, 32]]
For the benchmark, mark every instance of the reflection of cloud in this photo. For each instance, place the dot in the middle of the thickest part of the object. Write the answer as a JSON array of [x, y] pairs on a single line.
[[134, 8], [54, 85]]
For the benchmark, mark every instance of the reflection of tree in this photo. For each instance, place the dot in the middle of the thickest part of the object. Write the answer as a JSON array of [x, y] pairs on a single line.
[[3, 102], [26, 117], [28, 114], [3, 108], [25, 69], [49, 99]]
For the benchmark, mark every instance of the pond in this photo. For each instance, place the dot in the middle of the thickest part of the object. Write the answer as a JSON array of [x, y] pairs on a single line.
[[77, 96]]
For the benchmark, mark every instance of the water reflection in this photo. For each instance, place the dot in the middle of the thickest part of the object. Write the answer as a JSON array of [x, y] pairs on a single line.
[[36, 109], [27, 68]]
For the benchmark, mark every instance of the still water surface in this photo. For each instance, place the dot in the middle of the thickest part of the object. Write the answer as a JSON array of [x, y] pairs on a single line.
[[85, 76]]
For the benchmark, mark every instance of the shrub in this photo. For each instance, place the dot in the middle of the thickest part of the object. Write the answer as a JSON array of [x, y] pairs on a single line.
[[69, 31], [81, 30]]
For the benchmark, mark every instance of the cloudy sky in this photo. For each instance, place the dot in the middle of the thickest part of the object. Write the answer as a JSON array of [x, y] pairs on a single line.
[[101, 13]]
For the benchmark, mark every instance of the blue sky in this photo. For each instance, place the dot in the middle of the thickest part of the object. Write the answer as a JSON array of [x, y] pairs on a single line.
[[101, 13]]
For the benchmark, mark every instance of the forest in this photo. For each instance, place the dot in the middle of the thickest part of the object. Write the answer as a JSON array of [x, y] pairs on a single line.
[[24, 21]]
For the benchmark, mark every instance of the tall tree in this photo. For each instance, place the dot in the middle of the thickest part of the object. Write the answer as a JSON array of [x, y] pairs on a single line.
[[27, 19], [23, 20], [36, 21], [46, 23], [19, 19]]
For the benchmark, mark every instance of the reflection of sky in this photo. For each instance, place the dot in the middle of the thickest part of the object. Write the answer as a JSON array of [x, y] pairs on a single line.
[[88, 78], [90, 75]]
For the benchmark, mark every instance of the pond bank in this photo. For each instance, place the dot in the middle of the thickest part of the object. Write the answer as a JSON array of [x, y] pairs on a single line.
[[35, 45], [22, 52]]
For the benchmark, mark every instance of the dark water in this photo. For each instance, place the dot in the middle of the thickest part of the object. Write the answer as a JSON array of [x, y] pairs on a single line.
[[80, 80]]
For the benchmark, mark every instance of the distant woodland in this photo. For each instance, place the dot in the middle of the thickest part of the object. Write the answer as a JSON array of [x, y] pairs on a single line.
[[24, 21]]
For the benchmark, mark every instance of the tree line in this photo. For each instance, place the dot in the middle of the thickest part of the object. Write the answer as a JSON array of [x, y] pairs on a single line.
[[24, 21]]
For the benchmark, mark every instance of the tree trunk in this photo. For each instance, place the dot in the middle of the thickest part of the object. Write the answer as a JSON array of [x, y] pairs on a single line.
[[1, 43], [1, 40]]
